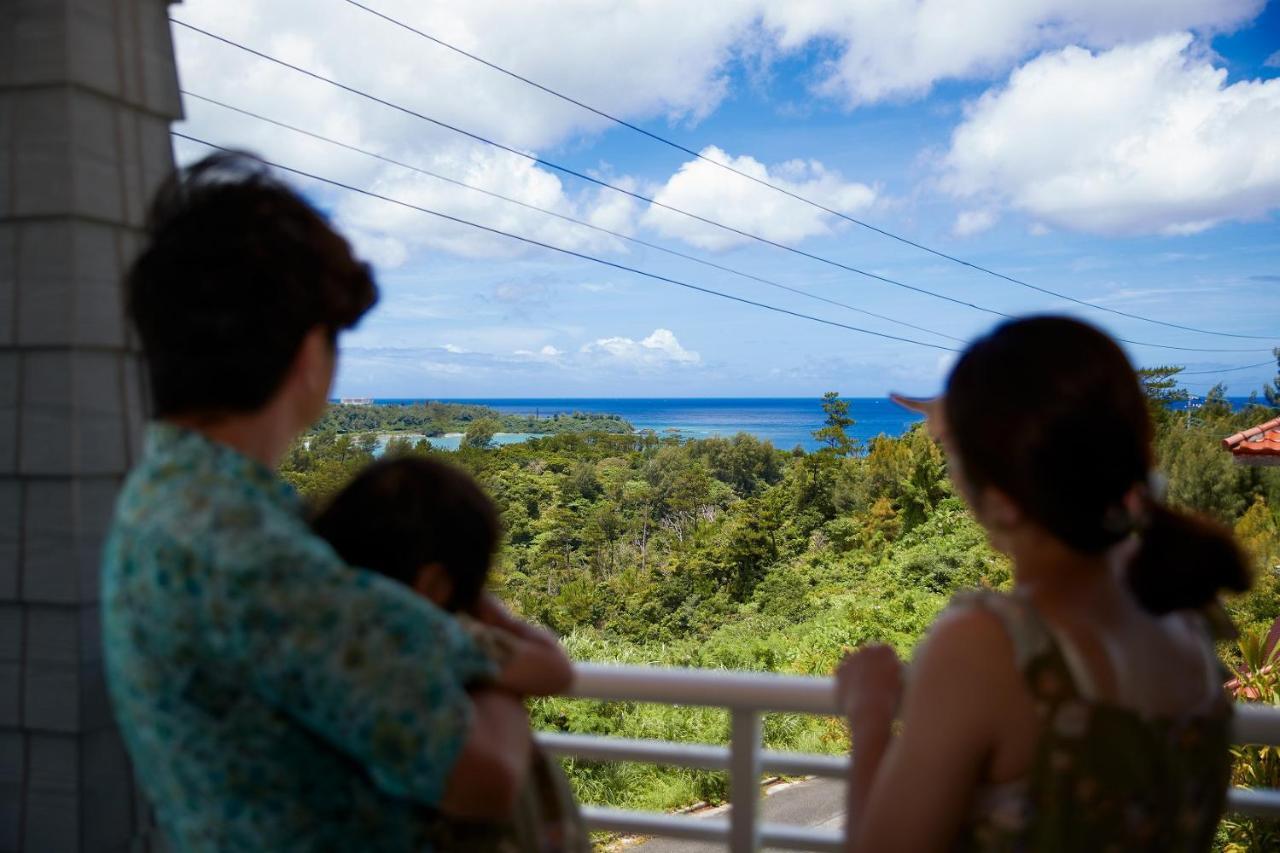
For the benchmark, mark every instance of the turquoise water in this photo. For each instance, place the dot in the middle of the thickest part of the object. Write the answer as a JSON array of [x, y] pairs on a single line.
[[786, 421], [451, 442]]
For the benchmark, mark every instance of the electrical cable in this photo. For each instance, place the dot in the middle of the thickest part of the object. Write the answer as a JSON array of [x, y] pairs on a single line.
[[791, 193], [598, 182], [598, 228], [572, 253]]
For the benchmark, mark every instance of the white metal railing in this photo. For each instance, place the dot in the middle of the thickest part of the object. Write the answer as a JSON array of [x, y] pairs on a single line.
[[747, 695]]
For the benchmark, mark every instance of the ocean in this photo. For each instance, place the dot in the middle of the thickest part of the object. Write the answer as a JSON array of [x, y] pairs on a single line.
[[785, 421]]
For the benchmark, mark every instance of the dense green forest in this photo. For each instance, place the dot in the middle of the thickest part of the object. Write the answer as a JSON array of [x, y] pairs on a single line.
[[731, 553], [437, 419]]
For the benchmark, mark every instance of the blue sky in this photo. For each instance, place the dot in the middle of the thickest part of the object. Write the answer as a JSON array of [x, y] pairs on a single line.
[[1127, 157]]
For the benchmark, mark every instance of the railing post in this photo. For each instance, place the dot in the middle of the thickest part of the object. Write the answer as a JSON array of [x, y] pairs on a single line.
[[744, 781]]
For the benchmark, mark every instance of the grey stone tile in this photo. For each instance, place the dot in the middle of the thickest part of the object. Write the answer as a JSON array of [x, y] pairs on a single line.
[[12, 760], [53, 762], [46, 282], [10, 694], [99, 411], [46, 421], [107, 785], [160, 75], [133, 199], [37, 44], [8, 412], [6, 150], [8, 254], [53, 634], [91, 44], [10, 536], [11, 616], [72, 419], [95, 701], [90, 626], [64, 530], [95, 156], [43, 181], [156, 152], [52, 822], [135, 405], [49, 571], [13, 747], [13, 751], [99, 301], [97, 507], [51, 699]]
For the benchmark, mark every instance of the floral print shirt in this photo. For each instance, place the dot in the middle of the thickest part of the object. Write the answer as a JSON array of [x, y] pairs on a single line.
[[1104, 778], [271, 697]]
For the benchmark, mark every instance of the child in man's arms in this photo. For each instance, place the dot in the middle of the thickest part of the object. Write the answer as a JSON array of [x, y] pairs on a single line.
[[431, 527]]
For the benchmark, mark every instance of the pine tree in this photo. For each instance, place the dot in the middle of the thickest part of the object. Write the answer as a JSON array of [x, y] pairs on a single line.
[[833, 434]]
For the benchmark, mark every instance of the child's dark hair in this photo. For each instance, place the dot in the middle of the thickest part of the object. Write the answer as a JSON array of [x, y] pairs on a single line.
[[402, 514], [1049, 411]]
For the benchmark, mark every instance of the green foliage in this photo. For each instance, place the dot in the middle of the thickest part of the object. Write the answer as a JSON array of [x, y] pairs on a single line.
[[833, 434], [1257, 679], [436, 419], [730, 554], [480, 432]]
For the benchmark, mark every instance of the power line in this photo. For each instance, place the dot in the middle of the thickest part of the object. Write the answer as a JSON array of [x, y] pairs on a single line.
[[1224, 370], [588, 178], [598, 182], [777, 188], [621, 236], [580, 255]]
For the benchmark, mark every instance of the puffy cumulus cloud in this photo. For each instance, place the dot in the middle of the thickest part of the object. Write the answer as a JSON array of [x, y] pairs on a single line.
[[969, 222], [626, 58], [546, 353], [708, 190], [1143, 138], [623, 57], [495, 171], [894, 49], [660, 349]]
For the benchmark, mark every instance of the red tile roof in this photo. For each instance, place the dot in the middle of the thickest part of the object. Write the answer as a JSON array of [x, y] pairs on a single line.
[[1254, 444]]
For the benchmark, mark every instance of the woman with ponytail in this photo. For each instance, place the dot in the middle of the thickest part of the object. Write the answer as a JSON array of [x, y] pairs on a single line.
[[1084, 710]]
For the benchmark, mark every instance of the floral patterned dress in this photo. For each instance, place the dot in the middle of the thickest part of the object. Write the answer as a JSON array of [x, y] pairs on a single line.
[[1104, 778]]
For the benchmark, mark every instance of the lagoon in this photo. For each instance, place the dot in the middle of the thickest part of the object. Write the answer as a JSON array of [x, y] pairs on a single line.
[[785, 421]]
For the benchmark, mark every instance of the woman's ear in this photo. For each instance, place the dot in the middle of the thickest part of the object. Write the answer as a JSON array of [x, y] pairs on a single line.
[[999, 516], [434, 583]]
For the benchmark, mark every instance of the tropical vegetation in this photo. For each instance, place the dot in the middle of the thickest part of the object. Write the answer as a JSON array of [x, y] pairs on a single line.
[[729, 553]]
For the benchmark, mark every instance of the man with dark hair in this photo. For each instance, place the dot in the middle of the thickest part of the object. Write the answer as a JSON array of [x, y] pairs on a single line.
[[272, 697]]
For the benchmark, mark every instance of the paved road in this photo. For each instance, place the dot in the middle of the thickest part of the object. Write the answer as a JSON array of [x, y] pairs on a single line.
[[813, 802]]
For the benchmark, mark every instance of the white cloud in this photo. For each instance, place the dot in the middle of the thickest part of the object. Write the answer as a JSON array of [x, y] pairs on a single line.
[[547, 353], [1272, 61], [453, 348], [382, 251], [1144, 138], [655, 70], [710, 191], [970, 222], [492, 170], [660, 349], [893, 49]]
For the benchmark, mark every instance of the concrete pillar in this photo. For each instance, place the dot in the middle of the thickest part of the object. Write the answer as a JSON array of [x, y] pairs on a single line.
[[87, 91]]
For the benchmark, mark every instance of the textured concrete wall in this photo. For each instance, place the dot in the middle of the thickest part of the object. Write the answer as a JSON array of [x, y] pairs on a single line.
[[87, 91]]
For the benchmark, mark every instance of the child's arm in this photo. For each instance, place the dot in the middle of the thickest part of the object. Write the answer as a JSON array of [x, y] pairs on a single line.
[[535, 664]]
